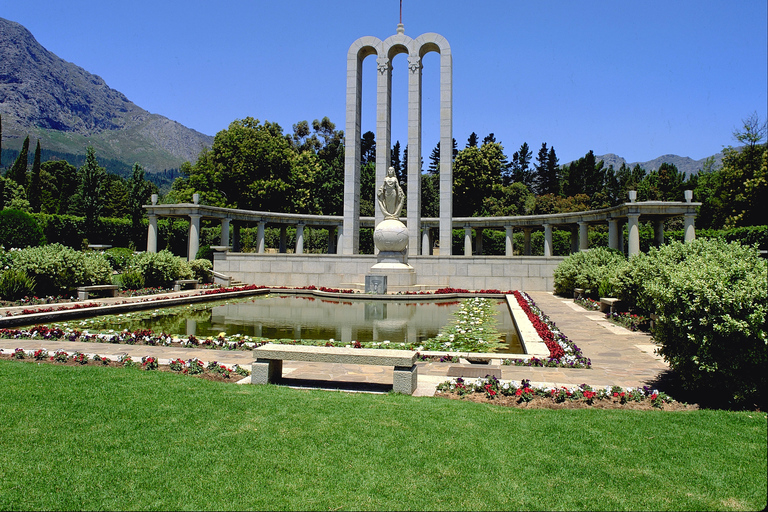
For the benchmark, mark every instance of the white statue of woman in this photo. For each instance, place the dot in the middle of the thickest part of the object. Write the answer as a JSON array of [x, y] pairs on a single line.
[[390, 196]]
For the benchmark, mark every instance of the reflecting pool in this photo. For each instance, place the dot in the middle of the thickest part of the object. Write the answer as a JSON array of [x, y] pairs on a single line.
[[281, 316]]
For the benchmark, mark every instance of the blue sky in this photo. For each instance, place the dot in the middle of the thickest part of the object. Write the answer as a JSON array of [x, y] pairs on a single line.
[[639, 79]]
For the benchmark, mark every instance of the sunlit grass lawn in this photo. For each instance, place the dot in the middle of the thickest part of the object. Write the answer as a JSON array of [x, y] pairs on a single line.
[[120, 439]]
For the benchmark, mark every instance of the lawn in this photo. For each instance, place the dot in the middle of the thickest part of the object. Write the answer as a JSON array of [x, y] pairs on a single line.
[[114, 438]]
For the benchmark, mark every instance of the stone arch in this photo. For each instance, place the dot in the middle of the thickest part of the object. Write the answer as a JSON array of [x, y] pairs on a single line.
[[385, 51]]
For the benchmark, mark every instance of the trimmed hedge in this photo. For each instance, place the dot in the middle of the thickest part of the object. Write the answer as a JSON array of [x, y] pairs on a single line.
[[19, 229]]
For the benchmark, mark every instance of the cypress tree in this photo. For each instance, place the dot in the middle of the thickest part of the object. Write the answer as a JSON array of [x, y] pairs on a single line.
[[18, 172], [33, 193]]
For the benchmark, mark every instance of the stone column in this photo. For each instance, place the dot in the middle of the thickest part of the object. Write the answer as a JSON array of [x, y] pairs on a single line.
[[194, 235], [690, 228], [383, 129], [152, 234], [658, 233], [620, 229], [467, 242], [509, 244], [634, 233], [300, 239], [583, 236], [527, 241], [446, 149], [613, 234], [479, 241], [548, 250], [283, 239], [260, 242], [425, 246], [414, 153], [339, 239], [225, 232]]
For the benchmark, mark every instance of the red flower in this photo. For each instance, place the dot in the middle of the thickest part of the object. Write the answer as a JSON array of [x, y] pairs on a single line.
[[519, 392]]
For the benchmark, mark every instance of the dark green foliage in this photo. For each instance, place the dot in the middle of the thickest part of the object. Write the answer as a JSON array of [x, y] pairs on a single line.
[[18, 172], [132, 280], [710, 300], [588, 270], [58, 269], [19, 229], [204, 252], [34, 190], [92, 178], [15, 285], [119, 258]]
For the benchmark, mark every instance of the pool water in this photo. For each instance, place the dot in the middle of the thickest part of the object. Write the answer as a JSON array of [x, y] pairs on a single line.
[[284, 316]]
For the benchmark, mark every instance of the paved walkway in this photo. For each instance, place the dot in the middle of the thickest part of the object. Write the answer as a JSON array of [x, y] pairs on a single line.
[[619, 357]]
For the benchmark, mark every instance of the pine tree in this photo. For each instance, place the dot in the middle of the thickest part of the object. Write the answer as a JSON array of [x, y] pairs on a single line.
[[472, 140], [34, 192], [552, 182], [434, 160], [91, 180], [400, 167], [541, 169], [18, 172], [139, 192], [489, 138]]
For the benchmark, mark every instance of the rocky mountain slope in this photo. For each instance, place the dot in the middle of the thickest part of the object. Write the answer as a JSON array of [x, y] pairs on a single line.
[[68, 108], [684, 164]]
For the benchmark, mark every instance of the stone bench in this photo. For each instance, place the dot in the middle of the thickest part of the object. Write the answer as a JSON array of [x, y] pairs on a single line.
[[609, 305], [179, 283], [268, 366], [578, 293], [106, 289]]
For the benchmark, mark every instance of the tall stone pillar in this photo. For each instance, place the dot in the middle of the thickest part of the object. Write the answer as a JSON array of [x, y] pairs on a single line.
[[574, 239], [339, 239], [300, 239], [425, 242], [152, 234], [467, 241], [583, 236], [331, 240], [194, 236], [634, 233], [509, 244], [527, 241], [414, 153], [548, 250], [260, 242], [613, 234], [658, 233], [224, 232], [689, 226], [383, 128], [236, 237], [479, 241]]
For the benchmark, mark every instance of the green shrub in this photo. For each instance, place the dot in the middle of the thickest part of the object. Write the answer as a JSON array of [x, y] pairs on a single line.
[[160, 268], [202, 269], [15, 285], [56, 268], [119, 258], [19, 229], [710, 300], [588, 270], [204, 253], [132, 280]]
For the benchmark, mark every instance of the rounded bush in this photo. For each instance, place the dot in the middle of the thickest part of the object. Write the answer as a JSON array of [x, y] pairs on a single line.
[[588, 270], [119, 258], [709, 297], [160, 268], [204, 253], [132, 280], [19, 229], [57, 269], [15, 285], [202, 269]]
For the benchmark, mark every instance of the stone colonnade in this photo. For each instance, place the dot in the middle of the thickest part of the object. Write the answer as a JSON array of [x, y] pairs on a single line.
[[578, 223], [385, 51]]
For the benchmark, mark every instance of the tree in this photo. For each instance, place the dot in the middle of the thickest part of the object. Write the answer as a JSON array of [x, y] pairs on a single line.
[[58, 196], [90, 194], [33, 191], [139, 194], [18, 172], [116, 196], [434, 158], [472, 140], [401, 168], [489, 138], [551, 182], [367, 148], [664, 184], [540, 168], [475, 173], [520, 162]]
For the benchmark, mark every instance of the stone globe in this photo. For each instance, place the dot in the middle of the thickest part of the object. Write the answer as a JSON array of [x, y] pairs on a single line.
[[391, 235]]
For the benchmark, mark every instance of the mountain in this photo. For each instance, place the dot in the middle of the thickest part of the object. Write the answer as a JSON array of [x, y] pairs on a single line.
[[684, 164], [68, 108]]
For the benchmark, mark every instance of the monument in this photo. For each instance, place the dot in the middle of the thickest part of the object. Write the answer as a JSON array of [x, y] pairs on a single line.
[[384, 52], [391, 235]]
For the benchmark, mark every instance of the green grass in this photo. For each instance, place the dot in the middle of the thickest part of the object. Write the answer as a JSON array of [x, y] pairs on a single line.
[[109, 438]]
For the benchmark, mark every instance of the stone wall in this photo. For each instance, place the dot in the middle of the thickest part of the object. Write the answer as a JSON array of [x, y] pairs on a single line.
[[529, 273]]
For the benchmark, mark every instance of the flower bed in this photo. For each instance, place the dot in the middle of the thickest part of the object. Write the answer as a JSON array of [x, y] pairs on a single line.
[[213, 371], [513, 393], [562, 351]]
